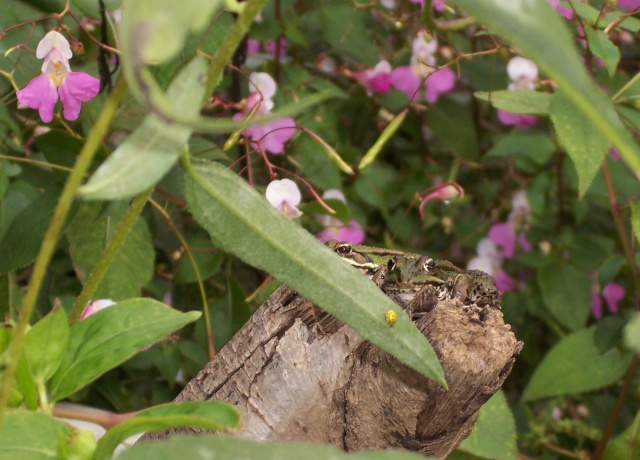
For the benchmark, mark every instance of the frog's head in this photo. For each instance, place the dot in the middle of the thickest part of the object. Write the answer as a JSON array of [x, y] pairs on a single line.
[[349, 254]]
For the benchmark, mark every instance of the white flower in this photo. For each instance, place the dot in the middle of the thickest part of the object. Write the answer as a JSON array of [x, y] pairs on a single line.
[[94, 307], [523, 72], [284, 195]]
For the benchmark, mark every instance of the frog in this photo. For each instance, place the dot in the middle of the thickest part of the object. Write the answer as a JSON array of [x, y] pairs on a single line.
[[402, 274]]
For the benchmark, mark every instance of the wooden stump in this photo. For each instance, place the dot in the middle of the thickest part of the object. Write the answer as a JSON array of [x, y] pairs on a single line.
[[296, 373]]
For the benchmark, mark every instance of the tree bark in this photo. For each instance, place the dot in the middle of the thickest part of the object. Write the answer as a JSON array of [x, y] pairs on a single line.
[[297, 373]]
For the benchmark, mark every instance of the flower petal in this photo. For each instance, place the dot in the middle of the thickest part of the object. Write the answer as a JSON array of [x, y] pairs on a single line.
[[440, 82], [406, 80], [503, 235], [39, 94], [54, 41], [352, 233], [263, 83], [280, 191], [613, 293], [520, 68], [513, 119], [77, 88], [273, 135]]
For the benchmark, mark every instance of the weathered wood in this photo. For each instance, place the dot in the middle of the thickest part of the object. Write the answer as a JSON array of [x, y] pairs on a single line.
[[296, 373]]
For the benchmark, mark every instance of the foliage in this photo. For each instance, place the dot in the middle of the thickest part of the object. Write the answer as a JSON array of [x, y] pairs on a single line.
[[153, 197]]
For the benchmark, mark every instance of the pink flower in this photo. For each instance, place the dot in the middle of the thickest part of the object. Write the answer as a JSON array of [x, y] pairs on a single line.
[[514, 119], [489, 260], [613, 293], [270, 136], [285, 196], [629, 4], [352, 233], [376, 79], [504, 234], [408, 79], [93, 307], [614, 154], [56, 79], [563, 10], [523, 74]]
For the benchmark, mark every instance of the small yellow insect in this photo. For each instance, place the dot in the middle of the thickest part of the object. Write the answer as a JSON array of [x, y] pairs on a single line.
[[391, 317]]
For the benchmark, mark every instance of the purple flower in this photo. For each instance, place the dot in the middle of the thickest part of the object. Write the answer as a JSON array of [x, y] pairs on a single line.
[[514, 119], [408, 79], [57, 79], [352, 233], [523, 74], [489, 260], [613, 293], [563, 10], [376, 79], [270, 136], [629, 4]]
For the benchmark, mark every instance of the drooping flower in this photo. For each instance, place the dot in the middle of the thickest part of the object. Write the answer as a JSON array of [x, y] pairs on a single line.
[[270, 136], [285, 196], [57, 79], [523, 74], [408, 79], [443, 192], [613, 293], [336, 229], [95, 306]]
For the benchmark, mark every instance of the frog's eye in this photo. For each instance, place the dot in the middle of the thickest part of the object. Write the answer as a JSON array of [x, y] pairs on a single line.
[[343, 249], [392, 263], [391, 317], [428, 263]]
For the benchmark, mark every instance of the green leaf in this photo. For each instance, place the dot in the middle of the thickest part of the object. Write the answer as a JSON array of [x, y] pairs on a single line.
[[228, 315], [45, 344], [635, 219], [150, 151], [451, 123], [576, 364], [20, 244], [566, 293], [108, 338], [91, 231], [520, 102], [536, 147], [242, 222], [602, 47], [494, 435], [209, 415], [584, 144], [234, 448], [540, 33], [32, 435], [315, 208], [625, 446], [632, 334]]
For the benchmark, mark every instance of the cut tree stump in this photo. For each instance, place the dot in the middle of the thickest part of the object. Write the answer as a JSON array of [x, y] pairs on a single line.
[[298, 374]]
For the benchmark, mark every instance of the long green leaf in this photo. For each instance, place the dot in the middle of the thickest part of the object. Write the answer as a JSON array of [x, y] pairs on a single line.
[[242, 222], [541, 34]]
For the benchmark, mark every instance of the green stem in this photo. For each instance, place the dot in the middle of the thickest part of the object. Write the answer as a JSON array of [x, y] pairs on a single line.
[[231, 42], [107, 256], [53, 232]]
